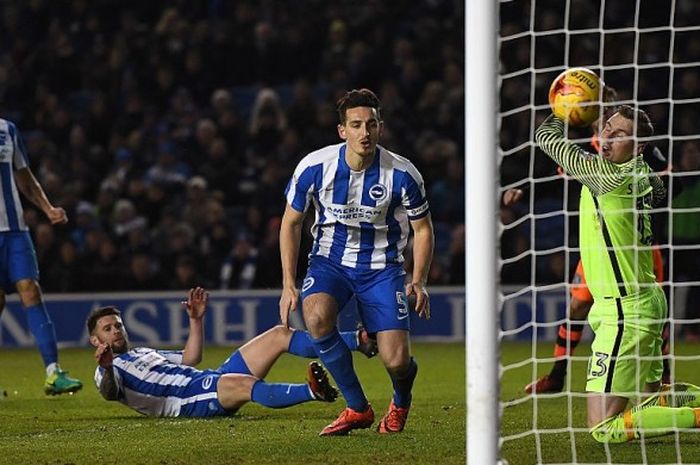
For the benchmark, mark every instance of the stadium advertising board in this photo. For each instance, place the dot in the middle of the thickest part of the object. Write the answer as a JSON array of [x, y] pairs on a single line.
[[158, 319]]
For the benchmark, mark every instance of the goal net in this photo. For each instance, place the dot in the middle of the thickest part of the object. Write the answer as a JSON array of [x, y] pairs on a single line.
[[649, 52]]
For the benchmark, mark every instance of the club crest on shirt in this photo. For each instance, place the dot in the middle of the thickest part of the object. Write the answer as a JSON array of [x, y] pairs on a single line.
[[308, 283], [377, 192]]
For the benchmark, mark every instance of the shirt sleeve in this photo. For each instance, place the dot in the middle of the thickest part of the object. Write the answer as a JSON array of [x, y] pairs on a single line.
[[173, 356], [19, 156], [599, 175], [658, 190], [413, 196], [300, 188]]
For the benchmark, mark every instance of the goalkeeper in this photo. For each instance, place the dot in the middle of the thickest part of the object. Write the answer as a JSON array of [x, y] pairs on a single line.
[[619, 189], [570, 332]]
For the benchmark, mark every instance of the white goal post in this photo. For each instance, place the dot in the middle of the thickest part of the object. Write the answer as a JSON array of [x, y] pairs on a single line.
[[649, 50], [481, 216]]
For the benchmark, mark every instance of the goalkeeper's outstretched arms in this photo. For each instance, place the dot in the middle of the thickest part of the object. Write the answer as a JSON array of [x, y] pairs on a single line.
[[599, 175]]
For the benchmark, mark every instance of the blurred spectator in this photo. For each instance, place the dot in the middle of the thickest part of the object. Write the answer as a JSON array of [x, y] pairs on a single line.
[[239, 268], [187, 276], [125, 219], [686, 232], [269, 268], [457, 256], [66, 273], [143, 274], [107, 269], [267, 122]]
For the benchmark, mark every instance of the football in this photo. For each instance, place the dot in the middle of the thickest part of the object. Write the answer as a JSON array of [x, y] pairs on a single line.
[[574, 96]]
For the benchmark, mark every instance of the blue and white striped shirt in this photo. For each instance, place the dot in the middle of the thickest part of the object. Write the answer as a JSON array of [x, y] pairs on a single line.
[[153, 382], [362, 217], [13, 156]]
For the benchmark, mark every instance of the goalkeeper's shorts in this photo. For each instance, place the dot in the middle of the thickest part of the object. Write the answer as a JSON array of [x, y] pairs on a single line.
[[626, 349]]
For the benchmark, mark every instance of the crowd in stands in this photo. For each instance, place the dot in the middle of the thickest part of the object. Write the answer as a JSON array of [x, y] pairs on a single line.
[[169, 129]]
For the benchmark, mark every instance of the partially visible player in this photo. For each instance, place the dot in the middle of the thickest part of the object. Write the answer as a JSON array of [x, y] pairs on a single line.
[[164, 382], [629, 306], [18, 266], [366, 200]]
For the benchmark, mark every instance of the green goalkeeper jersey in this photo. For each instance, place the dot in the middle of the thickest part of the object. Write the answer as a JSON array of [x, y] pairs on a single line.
[[614, 224]]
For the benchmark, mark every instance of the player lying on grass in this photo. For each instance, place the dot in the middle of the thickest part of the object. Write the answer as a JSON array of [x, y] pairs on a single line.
[[164, 382], [629, 309]]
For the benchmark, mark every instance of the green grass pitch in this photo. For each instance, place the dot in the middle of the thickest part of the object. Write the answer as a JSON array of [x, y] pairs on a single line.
[[85, 429], [552, 414]]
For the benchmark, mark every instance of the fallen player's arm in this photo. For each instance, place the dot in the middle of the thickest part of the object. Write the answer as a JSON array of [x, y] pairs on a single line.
[[108, 386], [196, 307]]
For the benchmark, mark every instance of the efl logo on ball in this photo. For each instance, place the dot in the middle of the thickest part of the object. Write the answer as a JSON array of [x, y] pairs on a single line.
[[574, 96]]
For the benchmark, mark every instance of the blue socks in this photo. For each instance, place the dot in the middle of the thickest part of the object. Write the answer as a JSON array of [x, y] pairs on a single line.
[[403, 385], [42, 328], [337, 359], [302, 345], [280, 395]]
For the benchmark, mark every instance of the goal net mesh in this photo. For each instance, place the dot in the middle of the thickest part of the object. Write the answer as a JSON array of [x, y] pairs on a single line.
[[649, 51]]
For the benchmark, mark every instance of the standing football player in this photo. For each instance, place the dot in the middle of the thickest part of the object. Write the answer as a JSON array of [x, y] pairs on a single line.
[[365, 198], [18, 266]]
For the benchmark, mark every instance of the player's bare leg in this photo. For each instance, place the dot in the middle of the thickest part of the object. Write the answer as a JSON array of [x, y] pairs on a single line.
[[261, 352], [568, 338], [234, 390], [395, 352], [602, 406], [57, 380]]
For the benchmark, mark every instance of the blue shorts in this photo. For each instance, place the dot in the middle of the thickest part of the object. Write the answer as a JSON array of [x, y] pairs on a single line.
[[200, 398], [381, 301], [17, 259]]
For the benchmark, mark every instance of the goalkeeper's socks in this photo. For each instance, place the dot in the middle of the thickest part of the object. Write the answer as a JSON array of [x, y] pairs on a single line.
[[673, 395], [337, 359], [43, 331], [650, 422], [403, 384], [280, 395], [302, 345]]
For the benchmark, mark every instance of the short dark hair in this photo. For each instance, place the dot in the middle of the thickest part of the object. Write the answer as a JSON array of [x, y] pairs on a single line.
[[644, 128], [99, 313], [357, 98]]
